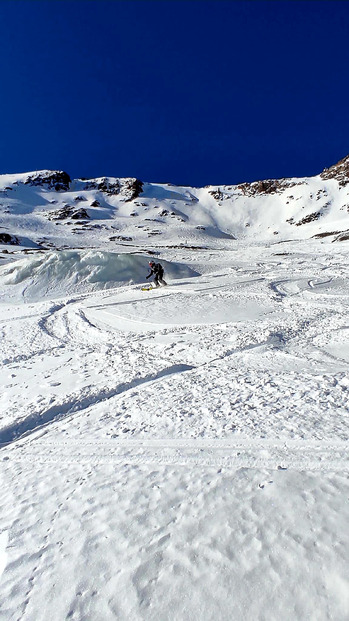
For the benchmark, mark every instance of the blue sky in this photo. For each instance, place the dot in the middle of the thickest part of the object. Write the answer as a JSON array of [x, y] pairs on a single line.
[[191, 92]]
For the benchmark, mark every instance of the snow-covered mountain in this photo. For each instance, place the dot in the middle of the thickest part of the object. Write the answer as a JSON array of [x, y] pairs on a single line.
[[35, 208], [179, 453]]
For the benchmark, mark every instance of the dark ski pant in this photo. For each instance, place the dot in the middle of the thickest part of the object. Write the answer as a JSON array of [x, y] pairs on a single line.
[[160, 279]]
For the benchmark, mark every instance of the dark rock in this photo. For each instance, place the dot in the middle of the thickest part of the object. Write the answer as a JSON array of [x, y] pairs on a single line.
[[217, 194], [129, 188], [120, 238], [310, 218], [132, 188], [69, 212], [270, 186], [53, 180], [80, 214], [344, 236], [267, 186], [339, 171], [103, 185], [6, 238], [325, 234]]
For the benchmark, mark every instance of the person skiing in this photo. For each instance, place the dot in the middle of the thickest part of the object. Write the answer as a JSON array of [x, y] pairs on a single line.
[[158, 271]]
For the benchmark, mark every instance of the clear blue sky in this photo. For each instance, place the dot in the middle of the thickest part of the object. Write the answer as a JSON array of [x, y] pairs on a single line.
[[191, 92]]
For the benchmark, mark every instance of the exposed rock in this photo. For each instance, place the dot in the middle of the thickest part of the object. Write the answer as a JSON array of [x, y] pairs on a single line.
[[339, 171], [310, 218], [130, 188], [217, 194], [268, 186], [53, 180], [103, 185], [95, 204], [325, 234], [120, 238], [6, 238], [344, 236], [69, 212], [80, 214]]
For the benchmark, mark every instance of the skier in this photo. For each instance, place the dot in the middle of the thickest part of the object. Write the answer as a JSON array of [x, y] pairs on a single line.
[[158, 271]]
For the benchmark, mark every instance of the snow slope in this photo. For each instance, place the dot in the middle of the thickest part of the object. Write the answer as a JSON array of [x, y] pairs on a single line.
[[177, 454], [48, 274], [47, 209]]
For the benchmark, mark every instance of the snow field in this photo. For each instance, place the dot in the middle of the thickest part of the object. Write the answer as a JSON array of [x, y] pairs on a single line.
[[155, 542], [180, 453]]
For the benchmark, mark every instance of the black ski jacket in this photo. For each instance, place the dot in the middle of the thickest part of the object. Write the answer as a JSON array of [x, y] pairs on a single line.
[[157, 270]]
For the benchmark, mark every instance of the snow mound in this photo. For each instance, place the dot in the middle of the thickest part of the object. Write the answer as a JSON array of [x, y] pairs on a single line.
[[60, 273]]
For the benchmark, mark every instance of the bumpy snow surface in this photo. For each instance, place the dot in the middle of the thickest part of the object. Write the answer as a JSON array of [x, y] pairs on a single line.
[[181, 453]]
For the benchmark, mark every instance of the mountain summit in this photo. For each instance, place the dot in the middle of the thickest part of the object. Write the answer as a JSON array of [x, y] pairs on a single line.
[[339, 171]]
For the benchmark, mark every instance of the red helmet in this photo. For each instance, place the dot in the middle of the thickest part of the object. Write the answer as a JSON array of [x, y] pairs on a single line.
[[151, 263]]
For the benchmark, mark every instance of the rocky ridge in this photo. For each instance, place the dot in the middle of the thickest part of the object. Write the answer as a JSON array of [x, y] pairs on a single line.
[[339, 171], [108, 210]]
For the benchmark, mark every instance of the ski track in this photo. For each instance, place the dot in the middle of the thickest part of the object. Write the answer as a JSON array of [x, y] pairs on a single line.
[[260, 454], [155, 466], [67, 322], [77, 405]]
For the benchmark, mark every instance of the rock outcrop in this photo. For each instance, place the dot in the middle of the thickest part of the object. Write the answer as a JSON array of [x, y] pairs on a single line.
[[267, 186], [69, 212], [130, 188], [339, 171], [11, 240], [53, 180]]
